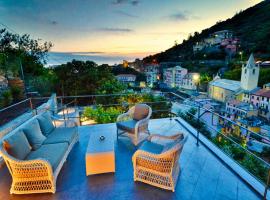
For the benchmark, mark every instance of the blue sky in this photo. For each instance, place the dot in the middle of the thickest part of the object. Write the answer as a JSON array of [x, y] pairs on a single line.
[[115, 27]]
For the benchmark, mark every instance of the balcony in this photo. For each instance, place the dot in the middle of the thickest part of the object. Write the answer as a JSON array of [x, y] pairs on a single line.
[[206, 171], [203, 175]]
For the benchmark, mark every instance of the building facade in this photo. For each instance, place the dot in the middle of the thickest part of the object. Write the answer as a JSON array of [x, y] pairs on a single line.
[[188, 82], [126, 79], [152, 74], [173, 76]]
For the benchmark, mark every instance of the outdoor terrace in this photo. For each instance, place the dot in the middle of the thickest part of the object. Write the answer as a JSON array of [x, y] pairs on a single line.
[[203, 175]]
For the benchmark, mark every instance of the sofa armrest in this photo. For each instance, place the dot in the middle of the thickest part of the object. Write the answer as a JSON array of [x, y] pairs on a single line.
[[66, 122], [34, 169]]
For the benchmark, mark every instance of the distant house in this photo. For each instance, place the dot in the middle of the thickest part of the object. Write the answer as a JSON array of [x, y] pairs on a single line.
[[152, 73], [251, 123], [261, 99], [126, 78], [237, 109], [173, 76], [266, 86], [223, 89], [188, 81], [3, 84]]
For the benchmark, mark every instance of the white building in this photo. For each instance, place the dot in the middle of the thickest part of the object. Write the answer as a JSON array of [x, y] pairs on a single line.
[[126, 78], [173, 76], [189, 82], [3, 83], [152, 74]]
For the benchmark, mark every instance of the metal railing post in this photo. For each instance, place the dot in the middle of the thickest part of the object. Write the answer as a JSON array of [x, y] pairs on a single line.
[[171, 109], [198, 122], [267, 185]]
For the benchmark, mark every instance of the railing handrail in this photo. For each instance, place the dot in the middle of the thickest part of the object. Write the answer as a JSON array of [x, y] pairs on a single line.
[[15, 104], [266, 163], [218, 115]]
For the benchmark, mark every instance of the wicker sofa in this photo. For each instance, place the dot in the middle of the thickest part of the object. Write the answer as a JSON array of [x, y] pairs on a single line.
[[35, 152]]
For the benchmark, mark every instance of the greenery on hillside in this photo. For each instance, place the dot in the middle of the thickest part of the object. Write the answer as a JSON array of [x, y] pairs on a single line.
[[251, 26]]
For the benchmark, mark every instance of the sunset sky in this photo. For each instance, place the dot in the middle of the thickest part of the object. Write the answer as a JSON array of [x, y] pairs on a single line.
[[115, 27]]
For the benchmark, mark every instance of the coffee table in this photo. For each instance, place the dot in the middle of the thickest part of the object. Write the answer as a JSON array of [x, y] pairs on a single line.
[[100, 156]]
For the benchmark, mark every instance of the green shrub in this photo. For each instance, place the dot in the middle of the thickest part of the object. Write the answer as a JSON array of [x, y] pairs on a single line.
[[102, 115], [17, 93], [6, 98]]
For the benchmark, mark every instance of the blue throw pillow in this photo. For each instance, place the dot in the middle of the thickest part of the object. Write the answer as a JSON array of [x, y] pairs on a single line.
[[33, 133], [17, 145], [46, 124]]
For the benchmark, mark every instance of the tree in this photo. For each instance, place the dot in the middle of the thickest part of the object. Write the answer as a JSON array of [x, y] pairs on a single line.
[[21, 50]]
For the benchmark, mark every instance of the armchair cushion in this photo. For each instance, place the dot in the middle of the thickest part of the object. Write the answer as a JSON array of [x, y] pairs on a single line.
[[17, 145], [128, 126], [46, 124], [140, 112], [151, 147], [33, 133], [53, 153], [61, 134]]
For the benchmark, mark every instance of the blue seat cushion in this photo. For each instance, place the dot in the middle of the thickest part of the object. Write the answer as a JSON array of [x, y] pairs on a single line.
[[151, 147], [46, 124], [128, 126], [17, 145], [53, 153], [61, 134], [33, 133]]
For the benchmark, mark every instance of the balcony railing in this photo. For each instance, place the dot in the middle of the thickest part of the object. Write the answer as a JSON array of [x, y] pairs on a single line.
[[231, 144]]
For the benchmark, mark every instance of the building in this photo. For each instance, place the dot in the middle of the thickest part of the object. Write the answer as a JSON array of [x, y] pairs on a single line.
[[3, 84], [152, 74], [261, 99], [126, 78], [237, 109], [173, 76], [266, 86], [198, 46], [189, 82], [251, 123], [225, 89], [265, 131]]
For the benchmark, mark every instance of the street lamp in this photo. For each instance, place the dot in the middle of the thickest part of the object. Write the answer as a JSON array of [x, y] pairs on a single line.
[[196, 79], [241, 54]]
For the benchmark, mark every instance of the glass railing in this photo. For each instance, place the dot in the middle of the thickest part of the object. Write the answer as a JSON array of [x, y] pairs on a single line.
[[231, 138]]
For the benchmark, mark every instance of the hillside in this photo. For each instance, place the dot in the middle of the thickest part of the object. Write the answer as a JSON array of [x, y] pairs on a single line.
[[251, 26]]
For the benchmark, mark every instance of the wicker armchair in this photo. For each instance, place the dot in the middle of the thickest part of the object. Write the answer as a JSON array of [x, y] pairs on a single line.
[[134, 123], [158, 164]]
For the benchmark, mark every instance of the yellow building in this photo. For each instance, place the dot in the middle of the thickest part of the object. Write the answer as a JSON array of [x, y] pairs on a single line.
[[223, 89]]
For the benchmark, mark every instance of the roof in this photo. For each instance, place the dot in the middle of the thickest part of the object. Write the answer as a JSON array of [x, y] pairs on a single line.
[[265, 127], [251, 62], [227, 84], [242, 105], [251, 121], [263, 93], [126, 75]]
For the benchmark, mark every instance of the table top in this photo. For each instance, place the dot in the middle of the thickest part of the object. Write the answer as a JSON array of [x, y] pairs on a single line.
[[95, 145]]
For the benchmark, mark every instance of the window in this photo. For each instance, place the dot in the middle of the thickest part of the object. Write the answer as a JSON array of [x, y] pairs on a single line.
[[257, 98], [245, 71], [253, 71]]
